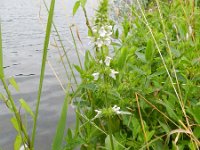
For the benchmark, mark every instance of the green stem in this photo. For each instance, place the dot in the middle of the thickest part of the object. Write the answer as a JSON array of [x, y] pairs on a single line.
[[77, 53]]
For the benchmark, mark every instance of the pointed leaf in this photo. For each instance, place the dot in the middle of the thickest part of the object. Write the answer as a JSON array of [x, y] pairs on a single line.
[[58, 138], [18, 141], [14, 83], [26, 107], [76, 6]]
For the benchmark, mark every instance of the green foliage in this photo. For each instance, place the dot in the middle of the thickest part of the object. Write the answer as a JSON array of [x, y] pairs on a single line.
[[58, 138], [144, 55], [14, 83], [26, 107]]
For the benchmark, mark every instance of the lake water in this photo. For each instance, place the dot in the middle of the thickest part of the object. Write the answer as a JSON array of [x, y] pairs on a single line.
[[23, 23]]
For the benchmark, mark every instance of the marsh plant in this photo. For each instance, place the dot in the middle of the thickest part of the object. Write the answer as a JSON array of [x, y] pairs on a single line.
[[140, 82]]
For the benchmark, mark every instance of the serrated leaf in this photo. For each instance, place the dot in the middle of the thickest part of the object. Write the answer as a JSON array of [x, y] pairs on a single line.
[[26, 107], [18, 142], [76, 6], [14, 83]]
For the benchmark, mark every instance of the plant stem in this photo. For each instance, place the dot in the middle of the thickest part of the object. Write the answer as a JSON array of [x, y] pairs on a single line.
[[77, 53], [16, 114]]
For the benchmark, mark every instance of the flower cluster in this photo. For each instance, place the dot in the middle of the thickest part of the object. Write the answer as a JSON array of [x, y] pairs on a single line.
[[112, 73], [102, 35], [115, 110]]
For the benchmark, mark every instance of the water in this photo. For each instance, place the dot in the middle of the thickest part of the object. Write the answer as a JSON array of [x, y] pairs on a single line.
[[23, 36]]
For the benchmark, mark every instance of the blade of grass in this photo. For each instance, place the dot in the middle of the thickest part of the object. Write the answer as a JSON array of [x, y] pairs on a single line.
[[46, 44], [58, 138]]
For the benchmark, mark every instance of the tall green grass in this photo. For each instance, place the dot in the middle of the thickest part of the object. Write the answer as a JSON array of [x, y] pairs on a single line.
[[44, 58]]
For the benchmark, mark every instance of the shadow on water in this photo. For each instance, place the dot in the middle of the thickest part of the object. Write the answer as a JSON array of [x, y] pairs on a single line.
[[23, 36]]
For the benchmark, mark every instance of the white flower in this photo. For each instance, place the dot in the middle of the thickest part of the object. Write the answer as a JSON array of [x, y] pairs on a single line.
[[23, 147], [99, 113], [107, 60], [99, 43], [102, 32], [113, 74], [96, 76], [116, 110], [107, 41]]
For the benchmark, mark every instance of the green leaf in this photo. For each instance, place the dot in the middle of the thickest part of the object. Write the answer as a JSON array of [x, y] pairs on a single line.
[[58, 138], [122, 58], [26, 107], [149, 51], [1, 55], [197, 132], [18, 142], [165, 127], [76, 6], [14, 83], [117, 34], [169, 109], [195, 112], [15, 123], [108, 143], [87, 60], [78, 68]]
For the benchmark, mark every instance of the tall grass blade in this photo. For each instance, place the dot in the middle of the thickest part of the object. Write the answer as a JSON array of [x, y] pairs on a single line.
[[58, 138], [46, 43], [1, 55]]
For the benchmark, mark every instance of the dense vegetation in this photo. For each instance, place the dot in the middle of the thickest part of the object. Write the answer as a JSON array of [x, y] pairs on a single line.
[[140, 82]]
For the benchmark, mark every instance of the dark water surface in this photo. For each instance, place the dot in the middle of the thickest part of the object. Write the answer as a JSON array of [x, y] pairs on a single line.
[[23, 23]]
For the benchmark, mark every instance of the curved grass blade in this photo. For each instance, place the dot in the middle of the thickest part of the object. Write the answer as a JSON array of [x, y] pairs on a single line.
[[46, 44]]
